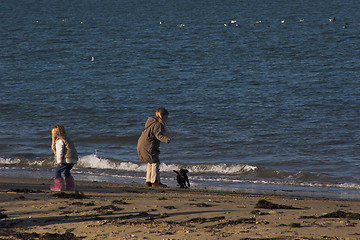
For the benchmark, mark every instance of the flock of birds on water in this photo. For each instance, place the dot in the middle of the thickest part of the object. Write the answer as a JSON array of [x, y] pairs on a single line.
[[227, 24], [234, 23]]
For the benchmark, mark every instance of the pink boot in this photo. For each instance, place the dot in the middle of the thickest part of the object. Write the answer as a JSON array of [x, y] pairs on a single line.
[[59, 185], [70, 185]]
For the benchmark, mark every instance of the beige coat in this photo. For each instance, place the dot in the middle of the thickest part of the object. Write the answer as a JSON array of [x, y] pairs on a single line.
[[149, 141]]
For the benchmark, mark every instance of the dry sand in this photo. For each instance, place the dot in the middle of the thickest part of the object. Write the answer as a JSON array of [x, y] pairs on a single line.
[[29, 210]]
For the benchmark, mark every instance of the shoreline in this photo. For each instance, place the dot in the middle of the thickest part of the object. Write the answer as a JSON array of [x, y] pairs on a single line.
[[124, 211], [238, 187]]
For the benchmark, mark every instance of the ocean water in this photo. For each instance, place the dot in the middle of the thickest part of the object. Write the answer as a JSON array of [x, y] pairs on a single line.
[[267, 104]]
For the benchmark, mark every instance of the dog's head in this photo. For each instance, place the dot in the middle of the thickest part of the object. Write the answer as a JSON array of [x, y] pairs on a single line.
[[183, 171]]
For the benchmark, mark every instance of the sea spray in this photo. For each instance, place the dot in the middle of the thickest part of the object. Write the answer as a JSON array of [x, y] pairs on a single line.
[[9, 161]]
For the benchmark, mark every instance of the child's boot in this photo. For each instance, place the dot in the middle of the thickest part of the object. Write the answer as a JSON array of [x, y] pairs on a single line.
[[59, 184], [70, 185]]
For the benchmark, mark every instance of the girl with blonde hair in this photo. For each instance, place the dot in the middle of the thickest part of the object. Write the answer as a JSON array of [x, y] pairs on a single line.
[[66, 157], [149, 143]]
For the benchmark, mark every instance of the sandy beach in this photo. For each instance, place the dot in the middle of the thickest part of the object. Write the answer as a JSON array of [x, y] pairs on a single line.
[[29, 210]]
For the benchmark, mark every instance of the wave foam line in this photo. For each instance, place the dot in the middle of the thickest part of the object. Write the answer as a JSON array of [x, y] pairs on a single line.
[[93, 161], [278, 182], [9, 161], [25, 162]]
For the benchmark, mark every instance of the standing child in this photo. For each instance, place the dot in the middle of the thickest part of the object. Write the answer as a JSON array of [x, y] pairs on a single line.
[[66, 157], [148, 146]]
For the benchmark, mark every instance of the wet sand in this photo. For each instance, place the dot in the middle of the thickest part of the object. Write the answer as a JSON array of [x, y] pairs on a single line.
[[29, 210]]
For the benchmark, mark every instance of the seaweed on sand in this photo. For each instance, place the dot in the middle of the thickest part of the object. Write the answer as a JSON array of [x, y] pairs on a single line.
[[170, 207], [233, 223], [341, 214], [337, 214], [119, 202], [2, 215], [109, 207], [25, 190], [269, 205], [204, 220], [4, 232], [76, 195], [144, 215], [83, 204], [201, 205]]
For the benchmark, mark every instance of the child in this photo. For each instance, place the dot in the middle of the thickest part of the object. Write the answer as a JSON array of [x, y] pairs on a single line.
[[66, 157], [148, 146]]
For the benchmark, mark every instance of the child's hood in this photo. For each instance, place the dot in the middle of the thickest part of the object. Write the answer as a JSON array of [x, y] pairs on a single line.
[[150, 121]]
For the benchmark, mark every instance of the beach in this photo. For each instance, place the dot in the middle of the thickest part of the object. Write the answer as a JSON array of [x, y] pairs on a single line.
[[29, 210], [262, 95]]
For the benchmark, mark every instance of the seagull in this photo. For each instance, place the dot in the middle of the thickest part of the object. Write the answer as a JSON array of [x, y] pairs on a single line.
[[231, 22], [331, 19]]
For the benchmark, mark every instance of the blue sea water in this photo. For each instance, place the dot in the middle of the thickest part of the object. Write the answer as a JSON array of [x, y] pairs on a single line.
[[269, 103]]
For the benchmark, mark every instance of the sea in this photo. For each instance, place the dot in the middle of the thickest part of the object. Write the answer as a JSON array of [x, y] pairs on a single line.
[[263, 95]]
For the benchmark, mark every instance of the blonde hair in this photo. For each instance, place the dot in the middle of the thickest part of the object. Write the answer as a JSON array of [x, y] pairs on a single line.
[[161, 113], [57, 131]]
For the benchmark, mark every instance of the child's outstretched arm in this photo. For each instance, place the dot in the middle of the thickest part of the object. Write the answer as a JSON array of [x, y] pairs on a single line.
[[158, 132]]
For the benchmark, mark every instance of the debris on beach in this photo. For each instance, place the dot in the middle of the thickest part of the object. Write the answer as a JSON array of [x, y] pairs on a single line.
[[2, 215], [269, 205], [258, 212], [342, 214], [201, 204], [233, 223], [83, 204], [337, 214], [76, 195], [25, 190], [119, 202], [204, 220], [46, 236], [109, 207]]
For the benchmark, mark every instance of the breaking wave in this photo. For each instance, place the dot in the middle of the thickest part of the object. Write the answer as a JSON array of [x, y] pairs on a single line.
[[93, 161], [201, 172]]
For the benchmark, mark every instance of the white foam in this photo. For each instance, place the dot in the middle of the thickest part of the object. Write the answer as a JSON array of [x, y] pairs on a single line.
[[209, 168], [9, 161], [222, 168], [37, 163], [93, 161], [350, 185]]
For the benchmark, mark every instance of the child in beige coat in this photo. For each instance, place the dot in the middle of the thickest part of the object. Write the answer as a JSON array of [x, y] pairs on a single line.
[[149, 143]]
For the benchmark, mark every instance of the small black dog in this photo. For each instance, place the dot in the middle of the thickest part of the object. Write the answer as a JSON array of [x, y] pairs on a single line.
[[182, 178]]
